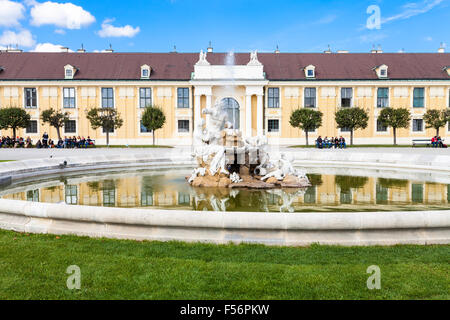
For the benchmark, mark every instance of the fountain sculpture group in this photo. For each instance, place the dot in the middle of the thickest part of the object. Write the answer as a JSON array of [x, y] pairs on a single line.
[[226, 159]]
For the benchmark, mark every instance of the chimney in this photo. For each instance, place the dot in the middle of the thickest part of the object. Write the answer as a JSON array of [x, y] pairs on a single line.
[[210, 48], [64, 49], [174, 49], [14, 50], [441, 48], [110, 50], [379, 50], [328, 50], [277, 50], [81, 50]]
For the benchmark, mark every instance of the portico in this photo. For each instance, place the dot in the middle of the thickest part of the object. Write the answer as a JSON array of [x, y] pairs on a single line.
[[243, 84]]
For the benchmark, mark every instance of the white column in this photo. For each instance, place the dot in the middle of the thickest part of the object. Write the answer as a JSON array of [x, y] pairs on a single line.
[[208, 105], [248, 116], [259, 114], [197, 113]]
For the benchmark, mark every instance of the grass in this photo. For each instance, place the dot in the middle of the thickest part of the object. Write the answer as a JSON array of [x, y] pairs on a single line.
[[367, 146], [34, 267]]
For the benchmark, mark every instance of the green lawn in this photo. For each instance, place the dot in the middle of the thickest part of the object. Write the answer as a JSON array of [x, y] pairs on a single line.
[[34, 266]]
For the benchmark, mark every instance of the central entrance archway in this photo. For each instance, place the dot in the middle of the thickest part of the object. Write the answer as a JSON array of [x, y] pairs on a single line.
[[231, 106]]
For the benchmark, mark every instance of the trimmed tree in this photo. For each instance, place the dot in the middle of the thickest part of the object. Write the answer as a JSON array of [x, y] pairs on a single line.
[[306, 119], [153, 118], [13, 118], [395, 118], [107, 118], [352, 118], [436, 119], [55, 118]]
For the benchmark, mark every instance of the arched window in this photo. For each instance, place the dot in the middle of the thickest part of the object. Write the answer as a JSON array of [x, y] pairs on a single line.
[[231, 106]]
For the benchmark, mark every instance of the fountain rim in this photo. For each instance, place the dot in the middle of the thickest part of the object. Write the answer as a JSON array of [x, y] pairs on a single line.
[[303, 228]]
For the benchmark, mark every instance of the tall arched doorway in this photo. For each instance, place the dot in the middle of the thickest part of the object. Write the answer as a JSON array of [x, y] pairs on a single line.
[[231, 106]]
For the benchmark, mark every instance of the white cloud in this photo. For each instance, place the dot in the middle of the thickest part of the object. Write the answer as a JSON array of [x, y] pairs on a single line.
[[10, 13], [108, 30], [62, 15], [48, 47], [23, 38], [60, 31], [413, 9]]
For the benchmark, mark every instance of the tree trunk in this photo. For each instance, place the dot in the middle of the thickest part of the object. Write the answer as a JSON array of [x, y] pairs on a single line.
[[395, 136], [107, 137], [351, 137], [59, 134], [306, 134], [14, 133], [437, 132]]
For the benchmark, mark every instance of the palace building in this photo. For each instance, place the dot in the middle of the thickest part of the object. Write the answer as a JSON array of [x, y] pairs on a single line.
[[259, 90]]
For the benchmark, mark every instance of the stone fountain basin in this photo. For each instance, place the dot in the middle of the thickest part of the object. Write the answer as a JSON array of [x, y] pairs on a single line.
[[293, 229]]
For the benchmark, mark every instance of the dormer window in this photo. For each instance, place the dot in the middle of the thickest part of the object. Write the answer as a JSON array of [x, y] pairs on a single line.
[[310, 71], [69, 71], [382, 71], [145, 71], [1, 69], [445, 69]]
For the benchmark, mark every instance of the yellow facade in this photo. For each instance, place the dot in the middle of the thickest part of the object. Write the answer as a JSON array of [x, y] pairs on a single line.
[[164, 94]]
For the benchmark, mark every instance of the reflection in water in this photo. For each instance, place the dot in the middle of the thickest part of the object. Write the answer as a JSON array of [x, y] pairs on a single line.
[[170, 191]]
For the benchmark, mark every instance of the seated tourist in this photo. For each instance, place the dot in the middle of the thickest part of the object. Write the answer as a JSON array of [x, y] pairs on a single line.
[[28, 142], [438, 142], [434, 142], [39, 144], [319, 142], [60, 143], [342, 142], [51, 144]]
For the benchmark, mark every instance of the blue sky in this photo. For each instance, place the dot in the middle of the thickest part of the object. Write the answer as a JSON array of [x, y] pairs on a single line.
[[239, 25]]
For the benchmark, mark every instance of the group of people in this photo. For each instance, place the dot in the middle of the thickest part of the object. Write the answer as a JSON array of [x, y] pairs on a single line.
[[18, 142], [437, 142], [329, 143], [46, 142]]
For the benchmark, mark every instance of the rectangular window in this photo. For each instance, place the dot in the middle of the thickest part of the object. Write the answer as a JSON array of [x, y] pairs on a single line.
[[183, 97], [273, 98], [346, 97], [69, 97], [184, 198], [32, 127], [381, 194], [144, 129], [109, 193], [346, 197], [107, 98], [146, 198], [381, 127], [71, 194], [383, 98], [417, 125], [310, 97], [70, 126], [145, 97], [419, 98], [30, 98], [273, 125], [33, 195], [183, 125], [310, 195], [417, 193], [110, 130]]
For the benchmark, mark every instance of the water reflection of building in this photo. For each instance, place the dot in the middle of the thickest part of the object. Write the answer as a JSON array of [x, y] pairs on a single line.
[[328, 190]]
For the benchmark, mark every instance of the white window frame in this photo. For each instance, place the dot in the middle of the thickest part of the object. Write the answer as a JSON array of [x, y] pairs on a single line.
[[273, 133], [189, 98], [152, 96], [390, 90], [279, 98], [37, 125], [101, 96], [75, 96], [189, 127], [25, 98], [387, 132], [304, 96], [76, 128], [412, 126], [310, 68], [425, 92], [352, 103]]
